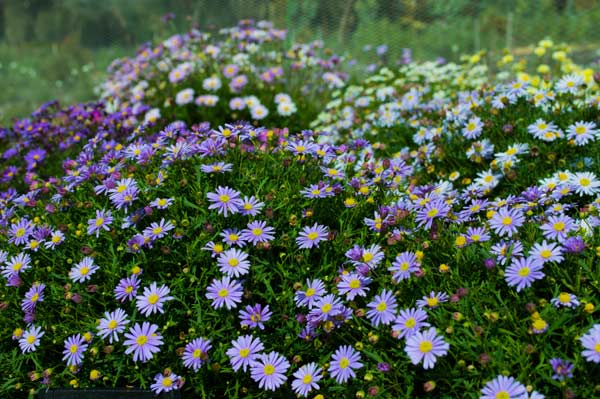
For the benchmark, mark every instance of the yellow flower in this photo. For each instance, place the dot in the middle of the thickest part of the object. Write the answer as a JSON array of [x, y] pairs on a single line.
[[543, 68], [539, 51], [589, 308], [94, 375]]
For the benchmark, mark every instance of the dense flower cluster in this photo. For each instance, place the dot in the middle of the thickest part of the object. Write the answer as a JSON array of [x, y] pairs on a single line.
[[249, 261]]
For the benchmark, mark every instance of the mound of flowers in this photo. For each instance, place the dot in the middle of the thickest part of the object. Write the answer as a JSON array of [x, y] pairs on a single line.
[[243, 72], [241, 261]]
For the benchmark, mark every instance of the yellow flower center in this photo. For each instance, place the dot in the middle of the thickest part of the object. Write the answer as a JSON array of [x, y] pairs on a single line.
[[580, 130], [223, 292], [313, 235], [307, 379], [99, 222], [354, 284], [432, 301], [584, 181], [167, 382], [17, 266], [597, 347], [410, 323], [511, 151], [162, 202], [542, 126], [471, 126], [141, 340], [367, 257], [507, 221], [233, 262], [198, 353], [344, 363], [20, 232], [35, 297], [310, 292], [524, 272], [73, 348], [31, 339], [502, 395], [233, 237], [244, 352], [129, 289], [564, 297], [84, 270], [157, 230], [432, 213], [326, 308], [382, 306], [55, 239], [257, 231], [269, 369], [112, 324], [224, 198], [475, 237], [152, 299], [558, 226], [425, 346], [546, 253], [539, 324]]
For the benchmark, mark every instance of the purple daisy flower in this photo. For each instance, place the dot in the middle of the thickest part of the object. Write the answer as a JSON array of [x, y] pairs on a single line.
[[225, 200], [217, 167], [506, 221], [310, 237], [165, 383], [558, 227], [102, 220], [83, 270], [244, 351], [225, 292], [158, 230], [16, 264], [353, 284], [315, 289], [306, 379], [258, 231], [522, 272], [19, 233], [426, 346], [564, 299], [433, 300], [343, 363], [433, 209], [30, 339], [151, 301], [504, 387], [233, 263], [254, 316], [161, 203], [75, 346], [477, 234], [232, 237], [562, 369], [251, 206], [326, 308], [143, 340], [56, 238], [545, 252], [382, 310], [591, 344], [112, 324], [127, 288], [409, 322], [196, 353], [369, 257], [404, 264], [32, 297], [269, 370]]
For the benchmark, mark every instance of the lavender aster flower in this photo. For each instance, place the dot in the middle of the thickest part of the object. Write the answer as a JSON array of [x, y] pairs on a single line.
[[158, 230], [269, 370], [557, 227], [382, 310], [251, 206], [19, 233], [522, 272], [258, 232], [506, 221], [30, 339], [310, 237], [314, 291], [426, 346], [591, 344], [225, 292], [196, 353], [225, 200], [75, 346], [433, 300], [151, 301], [127, 288], [112, 324], [306, 379], [545, 252], [564, 299], [343, 363], [353, 284], [562, 369], [101, 222], [504, 387], [404, 264], [254, 316], [143, 341], [233, 262], [83, 270], [409, 322], [32, 297], [164, 383], [244, 351]]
